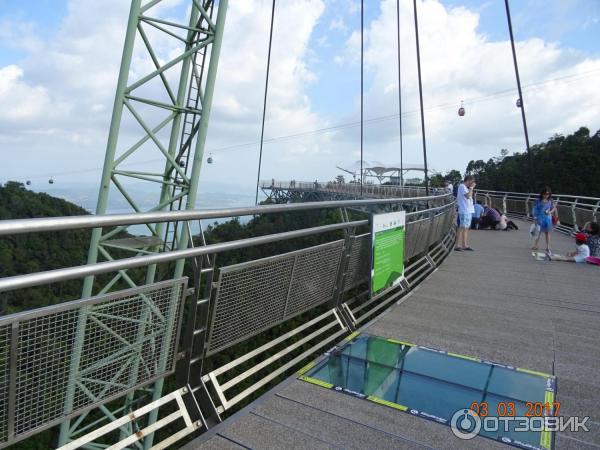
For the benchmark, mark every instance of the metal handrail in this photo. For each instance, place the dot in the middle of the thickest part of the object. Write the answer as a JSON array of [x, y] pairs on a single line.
[[578, 202], [526, 195], [21, 226], [69, 273], [56, 275]]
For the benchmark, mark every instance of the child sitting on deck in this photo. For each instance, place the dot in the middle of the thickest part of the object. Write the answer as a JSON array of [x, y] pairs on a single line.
[[582, 251]]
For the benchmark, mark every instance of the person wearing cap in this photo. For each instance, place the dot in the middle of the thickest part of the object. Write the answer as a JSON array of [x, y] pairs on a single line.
[[582, 251]]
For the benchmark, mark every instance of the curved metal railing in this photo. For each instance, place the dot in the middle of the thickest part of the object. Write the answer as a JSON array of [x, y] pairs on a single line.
[[353, 189], [135, 336], [573, 211]]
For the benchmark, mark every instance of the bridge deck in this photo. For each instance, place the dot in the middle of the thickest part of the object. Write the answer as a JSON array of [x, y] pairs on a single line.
[[496, 303]]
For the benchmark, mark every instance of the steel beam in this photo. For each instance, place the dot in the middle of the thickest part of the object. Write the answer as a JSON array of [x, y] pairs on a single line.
[[188, 104]]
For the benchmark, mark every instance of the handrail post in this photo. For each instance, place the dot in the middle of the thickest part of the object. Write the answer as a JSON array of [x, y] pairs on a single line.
[[527, 210], [343, 267], [504, 207], [574, 215]]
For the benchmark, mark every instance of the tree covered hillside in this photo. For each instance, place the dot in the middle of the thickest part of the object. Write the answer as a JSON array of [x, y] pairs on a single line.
[[35, 252], [568, 164]]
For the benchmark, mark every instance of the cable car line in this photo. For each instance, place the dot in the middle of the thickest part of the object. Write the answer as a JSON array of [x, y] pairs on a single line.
[[347, 125]]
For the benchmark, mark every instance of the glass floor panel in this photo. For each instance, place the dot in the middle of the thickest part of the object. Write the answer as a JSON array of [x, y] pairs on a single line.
[[434, 384]]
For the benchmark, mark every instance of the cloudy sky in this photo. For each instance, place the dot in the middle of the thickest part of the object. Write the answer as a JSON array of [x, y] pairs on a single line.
[[59, 63]]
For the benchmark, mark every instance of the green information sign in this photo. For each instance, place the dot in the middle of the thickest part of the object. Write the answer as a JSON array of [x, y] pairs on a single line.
[[387, 267]]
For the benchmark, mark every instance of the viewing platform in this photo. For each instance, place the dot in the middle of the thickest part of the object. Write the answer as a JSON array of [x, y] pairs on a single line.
[[497, 303], [262, 331]]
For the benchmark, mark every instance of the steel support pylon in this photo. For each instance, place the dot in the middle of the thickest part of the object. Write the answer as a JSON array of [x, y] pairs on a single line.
[[162, 109]]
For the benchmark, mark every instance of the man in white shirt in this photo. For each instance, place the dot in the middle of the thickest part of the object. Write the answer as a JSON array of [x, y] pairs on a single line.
[[464, 202]]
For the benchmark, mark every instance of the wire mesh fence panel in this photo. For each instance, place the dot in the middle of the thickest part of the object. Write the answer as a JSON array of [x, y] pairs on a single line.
[[249, 298], [314, 278], [497, 203], [584, 216], [5, 341], [422, 237], [252, 297], [410, 239], [437, 224], [45, 349], [565, 214], [360, 261], [515, 206], [76, 355]]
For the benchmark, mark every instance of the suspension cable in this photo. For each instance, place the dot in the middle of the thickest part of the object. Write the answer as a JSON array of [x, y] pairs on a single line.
[[399, 94], [262, 131], [514, 55], [362, 124], [421, 98]]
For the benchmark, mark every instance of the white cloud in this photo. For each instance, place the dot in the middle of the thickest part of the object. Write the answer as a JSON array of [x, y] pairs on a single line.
[[459, 62], [20, 101], [64, 89], [57, 102]]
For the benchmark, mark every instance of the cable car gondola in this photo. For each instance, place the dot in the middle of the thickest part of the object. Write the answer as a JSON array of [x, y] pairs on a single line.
[[461, 110], [518, 103], [209, 160], [51, 180], [28, 182]]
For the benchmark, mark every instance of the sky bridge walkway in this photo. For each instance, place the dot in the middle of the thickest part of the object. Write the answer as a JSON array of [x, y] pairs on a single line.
[[307, 191], [229, 336], [497, 303]]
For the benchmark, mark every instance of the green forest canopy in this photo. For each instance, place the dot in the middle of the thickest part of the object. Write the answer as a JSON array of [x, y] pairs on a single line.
[[568, 164]]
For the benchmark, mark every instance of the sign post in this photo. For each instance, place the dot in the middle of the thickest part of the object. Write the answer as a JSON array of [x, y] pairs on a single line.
[[387, 265]]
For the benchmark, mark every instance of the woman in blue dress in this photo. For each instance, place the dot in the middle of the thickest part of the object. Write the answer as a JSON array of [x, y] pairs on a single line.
[[543, 210]]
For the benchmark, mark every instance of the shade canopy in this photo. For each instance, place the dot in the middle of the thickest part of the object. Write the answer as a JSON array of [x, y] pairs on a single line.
[[379, 169]]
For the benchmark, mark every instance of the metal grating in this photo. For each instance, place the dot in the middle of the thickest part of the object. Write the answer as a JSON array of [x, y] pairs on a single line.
[[129, 339], [515, 206], [314, 278], [252, 297], [410, 239], [583, 216], [565, 215], [249, 299], [360, 257], [45, 348], [438, 222], [5, 341], [421, 239], [497, 203]]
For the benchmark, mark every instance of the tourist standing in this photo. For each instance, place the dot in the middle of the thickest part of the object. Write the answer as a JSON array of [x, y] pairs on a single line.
[[464, 201], [543, 210]]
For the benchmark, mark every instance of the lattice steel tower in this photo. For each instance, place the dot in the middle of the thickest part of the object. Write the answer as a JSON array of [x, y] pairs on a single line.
[[161, 109]]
